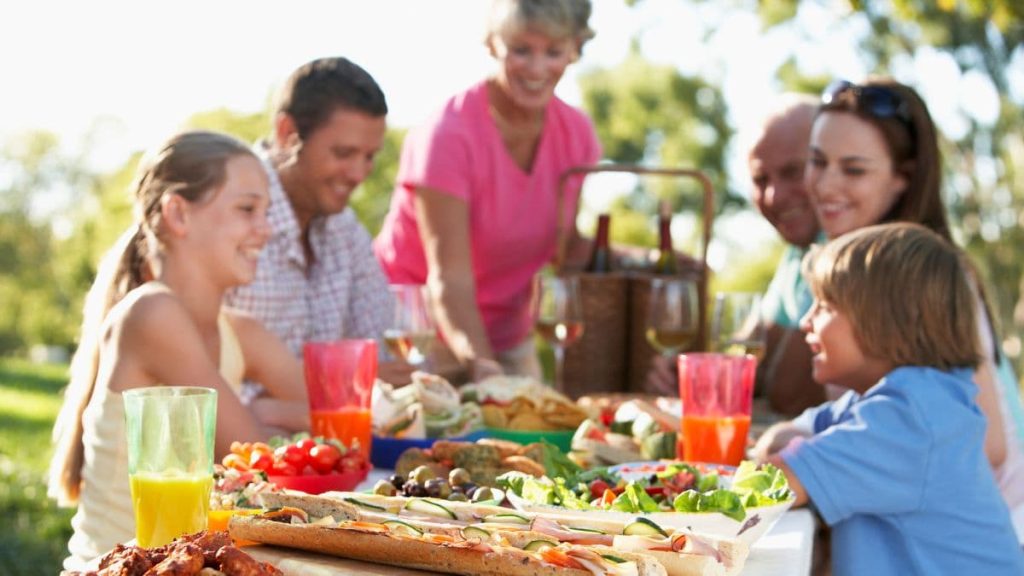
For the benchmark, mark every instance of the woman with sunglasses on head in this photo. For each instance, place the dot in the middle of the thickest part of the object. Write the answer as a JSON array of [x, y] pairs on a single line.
[[874, 158]]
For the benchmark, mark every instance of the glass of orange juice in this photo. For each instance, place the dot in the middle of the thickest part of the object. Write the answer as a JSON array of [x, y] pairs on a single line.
[[170, 432], [717, 393], [339, 382]]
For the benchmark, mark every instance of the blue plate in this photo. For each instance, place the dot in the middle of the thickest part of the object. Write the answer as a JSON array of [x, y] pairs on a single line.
[[385, 451]]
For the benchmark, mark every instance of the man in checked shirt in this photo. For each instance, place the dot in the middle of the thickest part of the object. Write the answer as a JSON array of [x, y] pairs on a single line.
[[317, 277]]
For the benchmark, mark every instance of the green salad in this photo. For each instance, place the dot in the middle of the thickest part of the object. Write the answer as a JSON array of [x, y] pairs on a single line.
[[662, 487]]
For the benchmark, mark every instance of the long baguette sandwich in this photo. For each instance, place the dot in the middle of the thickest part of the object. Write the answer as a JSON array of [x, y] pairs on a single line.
[[400, 544], [680, 553]]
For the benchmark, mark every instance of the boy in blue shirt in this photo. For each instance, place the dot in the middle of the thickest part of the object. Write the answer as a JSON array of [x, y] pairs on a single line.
[[896, 466]]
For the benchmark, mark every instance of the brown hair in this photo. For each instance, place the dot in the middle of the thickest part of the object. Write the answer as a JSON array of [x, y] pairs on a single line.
[[192, 165], [906, 292], [553, 18], [316, 89], [912, 141]]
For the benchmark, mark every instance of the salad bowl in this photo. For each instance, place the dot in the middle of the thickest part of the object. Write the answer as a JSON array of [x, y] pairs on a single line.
[[710, 508]]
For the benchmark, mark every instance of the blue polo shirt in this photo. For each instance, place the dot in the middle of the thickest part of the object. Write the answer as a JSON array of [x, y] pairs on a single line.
[[900, 474]]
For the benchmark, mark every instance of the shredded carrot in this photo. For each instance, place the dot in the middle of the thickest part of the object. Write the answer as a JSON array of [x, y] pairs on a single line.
[[553, 555]]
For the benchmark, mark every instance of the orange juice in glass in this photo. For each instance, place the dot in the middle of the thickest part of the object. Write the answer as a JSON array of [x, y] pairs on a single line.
[[169, 505], [347, 422], [339, 381], [717, 393], [170, 432]]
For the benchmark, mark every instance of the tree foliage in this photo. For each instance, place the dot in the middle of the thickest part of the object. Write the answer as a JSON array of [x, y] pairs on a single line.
[[654, 116]]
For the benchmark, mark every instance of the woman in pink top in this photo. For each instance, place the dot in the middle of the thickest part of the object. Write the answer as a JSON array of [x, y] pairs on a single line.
[[474, 209]]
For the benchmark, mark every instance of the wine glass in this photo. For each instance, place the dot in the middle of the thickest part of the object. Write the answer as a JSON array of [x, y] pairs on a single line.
[[558, 316], [736, 325], [412, 331], [672, 315]]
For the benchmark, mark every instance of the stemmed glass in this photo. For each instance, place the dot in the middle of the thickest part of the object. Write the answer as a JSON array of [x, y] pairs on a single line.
[[672, 315], [558, 316], [736, 325], [412, 330]]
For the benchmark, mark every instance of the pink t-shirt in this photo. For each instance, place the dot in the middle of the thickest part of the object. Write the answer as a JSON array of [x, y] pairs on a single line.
[[512, 213]]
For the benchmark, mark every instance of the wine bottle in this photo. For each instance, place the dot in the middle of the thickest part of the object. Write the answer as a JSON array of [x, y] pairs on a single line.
[[664, 258], [601, 255]]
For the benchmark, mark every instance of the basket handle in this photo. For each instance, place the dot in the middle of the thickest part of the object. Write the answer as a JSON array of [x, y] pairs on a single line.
[[563, 227]]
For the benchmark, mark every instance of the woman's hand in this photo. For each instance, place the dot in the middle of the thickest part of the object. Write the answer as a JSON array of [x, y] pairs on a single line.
[[482, 368]]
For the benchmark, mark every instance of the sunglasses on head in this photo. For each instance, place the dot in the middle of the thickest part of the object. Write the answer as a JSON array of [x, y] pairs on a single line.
[[879, 101]]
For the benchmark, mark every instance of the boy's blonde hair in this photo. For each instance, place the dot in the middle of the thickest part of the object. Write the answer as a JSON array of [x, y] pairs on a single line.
[[906, 293]]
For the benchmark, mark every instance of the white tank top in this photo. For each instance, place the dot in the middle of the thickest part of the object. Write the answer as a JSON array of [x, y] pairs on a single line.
[[105, 516]]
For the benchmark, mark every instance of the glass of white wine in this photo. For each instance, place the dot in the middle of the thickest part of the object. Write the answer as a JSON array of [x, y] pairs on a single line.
[[736, 324], [558, 315], [412, 330], [672, 315]]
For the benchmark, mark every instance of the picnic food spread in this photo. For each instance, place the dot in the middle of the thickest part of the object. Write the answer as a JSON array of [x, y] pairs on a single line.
[[493, 506]]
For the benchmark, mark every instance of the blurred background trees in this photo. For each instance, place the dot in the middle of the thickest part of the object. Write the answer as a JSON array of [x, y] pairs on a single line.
[[645, 113]]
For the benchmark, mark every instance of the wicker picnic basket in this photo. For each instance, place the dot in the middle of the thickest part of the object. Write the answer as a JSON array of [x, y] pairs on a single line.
[[613, 354]]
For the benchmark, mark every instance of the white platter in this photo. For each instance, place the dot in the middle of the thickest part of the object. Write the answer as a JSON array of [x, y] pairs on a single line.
[[754, 525]]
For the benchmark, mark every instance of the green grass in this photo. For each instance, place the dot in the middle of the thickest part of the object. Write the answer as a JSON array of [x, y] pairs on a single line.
[[34, 537]]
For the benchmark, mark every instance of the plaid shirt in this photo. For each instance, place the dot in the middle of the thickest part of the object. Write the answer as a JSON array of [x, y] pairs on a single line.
[[343, 294]]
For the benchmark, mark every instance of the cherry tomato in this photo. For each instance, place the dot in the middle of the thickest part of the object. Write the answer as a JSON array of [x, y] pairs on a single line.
[[282, 468], [350, 462], [292, 454], [235, 461], [261, 446], [597, 488], [261, 460], [324, 457], [306, 445], [241, 449]]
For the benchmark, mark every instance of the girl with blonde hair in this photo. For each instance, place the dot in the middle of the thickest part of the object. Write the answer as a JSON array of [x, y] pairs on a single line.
[[153, 317]]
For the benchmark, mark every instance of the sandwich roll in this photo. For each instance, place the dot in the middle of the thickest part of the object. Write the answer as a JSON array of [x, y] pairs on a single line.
[[378, 543]]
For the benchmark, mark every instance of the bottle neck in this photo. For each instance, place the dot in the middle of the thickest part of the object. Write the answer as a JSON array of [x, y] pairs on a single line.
[[602, 231], [600, 256], [665, 233]]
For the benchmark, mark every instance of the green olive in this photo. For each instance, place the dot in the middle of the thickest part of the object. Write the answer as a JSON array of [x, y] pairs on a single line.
[[459, 476], [384, 488], [457, 497], [483, 493], [422, 473]]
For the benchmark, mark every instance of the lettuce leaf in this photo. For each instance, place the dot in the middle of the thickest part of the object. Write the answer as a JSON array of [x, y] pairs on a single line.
[[542, 490], [762, 485], [723, 501], [635, 499]]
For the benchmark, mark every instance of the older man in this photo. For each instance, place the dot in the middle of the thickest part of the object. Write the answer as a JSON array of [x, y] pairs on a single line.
[[776, 161]]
